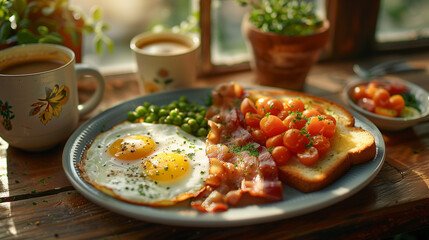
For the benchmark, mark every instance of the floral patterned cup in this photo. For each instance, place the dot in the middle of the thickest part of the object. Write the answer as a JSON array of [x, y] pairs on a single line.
[[38, 95], [166, 60]]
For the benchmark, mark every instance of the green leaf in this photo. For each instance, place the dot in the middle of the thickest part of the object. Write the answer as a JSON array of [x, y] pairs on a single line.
[[25, 36], [24, 23], [168, 81], [51, 24], [104, 27], [42, 30], [88, 29], [98, 45], [51, 38], [3, 11], [110, 45], [5, 31], [97, 14]]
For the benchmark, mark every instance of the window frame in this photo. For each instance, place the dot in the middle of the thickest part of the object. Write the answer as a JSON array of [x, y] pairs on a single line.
[[207, 67]]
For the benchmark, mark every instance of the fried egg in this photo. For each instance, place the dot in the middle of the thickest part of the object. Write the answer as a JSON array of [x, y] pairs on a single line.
[[149, 164]]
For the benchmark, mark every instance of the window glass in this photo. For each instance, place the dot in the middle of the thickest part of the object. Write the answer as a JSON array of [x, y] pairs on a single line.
[[227, 43], [126, 19], [402, 20]]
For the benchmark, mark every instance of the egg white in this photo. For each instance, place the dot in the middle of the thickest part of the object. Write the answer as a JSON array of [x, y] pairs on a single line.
[[126, 180]]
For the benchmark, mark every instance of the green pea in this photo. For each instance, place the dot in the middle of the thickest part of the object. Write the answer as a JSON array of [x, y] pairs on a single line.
[[183, 99], [201, 132], [204, 123], [177, 121], [194, 125], [146, 104], [174, 113], [183, 106], [194, 108], [163, 112], [186, 119], [201, 108], [203, 112], [153, 109], [173, 105], [182, 115], [141, 111], [151, 118], [199, 117], [131, 116], [192, 115], [169, 120], [186, 128]]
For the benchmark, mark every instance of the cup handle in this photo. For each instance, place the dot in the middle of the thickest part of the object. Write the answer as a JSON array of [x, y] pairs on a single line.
[[81, 71]]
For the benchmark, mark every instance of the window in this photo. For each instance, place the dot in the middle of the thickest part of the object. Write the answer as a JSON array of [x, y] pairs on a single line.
[[126, 19], [402, 23], [358, 28]]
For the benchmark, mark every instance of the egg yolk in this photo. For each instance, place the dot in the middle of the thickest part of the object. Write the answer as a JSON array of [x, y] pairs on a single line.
[[132, 147], [166, 167]]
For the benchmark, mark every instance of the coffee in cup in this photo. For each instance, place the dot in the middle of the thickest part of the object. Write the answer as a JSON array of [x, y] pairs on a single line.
[[165, 60], [38, 95]]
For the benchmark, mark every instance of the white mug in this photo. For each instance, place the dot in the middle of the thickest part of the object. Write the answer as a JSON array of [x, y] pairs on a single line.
[[39, 104], [165, 60]]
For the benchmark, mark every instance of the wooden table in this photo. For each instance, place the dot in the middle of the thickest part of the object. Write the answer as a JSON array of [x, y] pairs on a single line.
[[38, 202]]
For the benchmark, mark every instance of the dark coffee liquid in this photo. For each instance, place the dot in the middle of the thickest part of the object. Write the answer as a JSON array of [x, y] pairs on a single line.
[[31, 66], [164, 47]]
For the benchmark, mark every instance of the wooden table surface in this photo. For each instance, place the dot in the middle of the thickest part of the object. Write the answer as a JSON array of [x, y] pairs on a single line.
[[38, 202]]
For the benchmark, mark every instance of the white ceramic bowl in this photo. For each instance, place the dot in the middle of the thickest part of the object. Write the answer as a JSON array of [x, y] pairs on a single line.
[[391, 123]]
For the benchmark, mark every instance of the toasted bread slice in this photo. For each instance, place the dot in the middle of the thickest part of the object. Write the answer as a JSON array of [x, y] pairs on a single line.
[[350, 145]]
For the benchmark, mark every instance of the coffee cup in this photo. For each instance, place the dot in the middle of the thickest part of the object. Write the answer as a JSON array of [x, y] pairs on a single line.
[[165, 60], [39, 104]]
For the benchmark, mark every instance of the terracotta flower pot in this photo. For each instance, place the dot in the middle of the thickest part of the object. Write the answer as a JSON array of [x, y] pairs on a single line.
[[280, 60]]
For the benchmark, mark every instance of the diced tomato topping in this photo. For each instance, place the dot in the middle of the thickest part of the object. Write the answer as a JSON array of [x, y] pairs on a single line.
[[273, 106], [272, 125], [294, 105], [291, 129], [281, 155], [309, 156], [252, 119], [246, 106], [294, 121], [308, 113], [294, 140], [274, 141], [316, 125], [259, 136], [322, 144]]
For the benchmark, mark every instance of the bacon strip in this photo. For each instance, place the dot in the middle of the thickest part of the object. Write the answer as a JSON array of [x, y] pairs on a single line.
[[238, 163]]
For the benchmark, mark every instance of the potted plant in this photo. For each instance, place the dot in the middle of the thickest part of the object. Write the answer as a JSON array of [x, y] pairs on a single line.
[[285, 39], [50, 21]]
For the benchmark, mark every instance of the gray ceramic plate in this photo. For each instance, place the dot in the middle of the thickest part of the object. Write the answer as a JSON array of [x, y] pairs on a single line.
[[295, 203]]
